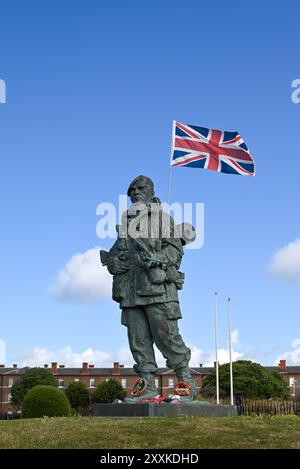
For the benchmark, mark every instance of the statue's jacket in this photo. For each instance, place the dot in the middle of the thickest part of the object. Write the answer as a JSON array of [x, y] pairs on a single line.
[[159, 283]]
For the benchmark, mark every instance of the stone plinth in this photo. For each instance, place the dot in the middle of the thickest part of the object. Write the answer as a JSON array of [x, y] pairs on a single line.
[[151, 409]]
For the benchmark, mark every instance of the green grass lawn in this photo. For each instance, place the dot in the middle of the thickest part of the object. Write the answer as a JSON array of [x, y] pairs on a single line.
[[169, 432]]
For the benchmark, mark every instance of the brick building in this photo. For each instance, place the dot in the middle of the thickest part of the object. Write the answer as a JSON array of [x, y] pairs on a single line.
[[91, 377]]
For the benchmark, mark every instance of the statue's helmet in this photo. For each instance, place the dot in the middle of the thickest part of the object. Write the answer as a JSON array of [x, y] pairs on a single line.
[[145, 180]]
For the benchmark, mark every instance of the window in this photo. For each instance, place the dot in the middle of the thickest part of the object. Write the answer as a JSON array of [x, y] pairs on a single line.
[[61, 383], [92, 383], [10, 382], [171, 382], [76, 380], [291, 381], [9, 397], [123, 382], [156, 382]]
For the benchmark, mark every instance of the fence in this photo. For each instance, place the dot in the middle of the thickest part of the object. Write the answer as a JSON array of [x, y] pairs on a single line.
[[247, 407]]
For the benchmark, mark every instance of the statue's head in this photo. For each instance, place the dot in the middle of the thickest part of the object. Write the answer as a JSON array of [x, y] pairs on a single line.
[[141, 189]]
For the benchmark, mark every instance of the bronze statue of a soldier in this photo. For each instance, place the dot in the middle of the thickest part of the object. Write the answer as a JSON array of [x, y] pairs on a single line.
[[144, 262]]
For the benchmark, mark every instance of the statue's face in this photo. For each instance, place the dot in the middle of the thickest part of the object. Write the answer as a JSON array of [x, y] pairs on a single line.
[[140, 192]]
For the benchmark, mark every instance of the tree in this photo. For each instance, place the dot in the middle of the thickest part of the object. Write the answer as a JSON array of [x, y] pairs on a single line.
[[250, 379], [280, 387], [108, 391], [78, 396], [32, 377], [47, 401]]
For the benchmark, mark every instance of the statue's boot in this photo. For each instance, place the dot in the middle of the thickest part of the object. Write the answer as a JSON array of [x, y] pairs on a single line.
[[185, 387], [144, 388]]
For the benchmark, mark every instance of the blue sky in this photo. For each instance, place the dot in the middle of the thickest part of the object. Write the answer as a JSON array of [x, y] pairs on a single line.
[[92, 89]]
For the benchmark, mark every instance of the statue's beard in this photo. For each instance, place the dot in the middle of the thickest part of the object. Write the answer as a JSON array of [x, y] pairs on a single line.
[[136, 208]]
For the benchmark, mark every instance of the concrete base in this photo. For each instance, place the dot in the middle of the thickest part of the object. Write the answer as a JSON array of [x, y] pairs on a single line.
[[151, 409]]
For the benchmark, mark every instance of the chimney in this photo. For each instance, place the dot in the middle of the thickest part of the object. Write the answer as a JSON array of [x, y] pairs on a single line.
[[61, 366], [85, 366], [46, 365], [116, 368], [2, 366], [200, 365], [54, 367], [282, 364], [121, 366], [215, 364], [91, 366], [15, 365]]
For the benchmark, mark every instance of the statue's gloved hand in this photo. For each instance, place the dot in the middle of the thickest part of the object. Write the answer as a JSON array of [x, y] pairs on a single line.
[[121, 267], [116, 266], [139, 261]]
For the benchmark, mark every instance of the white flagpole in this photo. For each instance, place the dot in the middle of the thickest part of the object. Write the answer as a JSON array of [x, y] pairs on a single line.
[[216, 346], [169, 185], [230, 354], [170, 165]]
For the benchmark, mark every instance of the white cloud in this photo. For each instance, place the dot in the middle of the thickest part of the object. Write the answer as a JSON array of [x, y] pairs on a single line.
[[296, 343], [234, 337], [205, 358], [292, 357], [208, 358], [82, 279], [223, 357], [39, 356], [285, 262]]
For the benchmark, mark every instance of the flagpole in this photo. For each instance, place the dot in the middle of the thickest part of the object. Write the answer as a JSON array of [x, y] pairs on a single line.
[[169, 184], [171, 157], [230, 354], [216, 346]]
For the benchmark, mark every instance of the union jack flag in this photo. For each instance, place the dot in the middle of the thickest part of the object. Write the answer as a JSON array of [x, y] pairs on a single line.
[[198, 147]]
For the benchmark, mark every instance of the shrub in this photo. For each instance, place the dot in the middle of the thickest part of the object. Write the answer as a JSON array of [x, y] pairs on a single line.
[[211, 392], [250, 379], [43, 401], [29, 380], [108, 391], [78, 395]]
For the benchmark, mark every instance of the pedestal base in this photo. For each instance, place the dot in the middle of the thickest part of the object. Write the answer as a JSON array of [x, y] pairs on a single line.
[[150, 409]]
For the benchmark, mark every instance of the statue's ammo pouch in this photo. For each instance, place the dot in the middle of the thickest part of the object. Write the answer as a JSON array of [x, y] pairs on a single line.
[[156, 275], [150, 282], [180, 280], [173, 275], [120, 287]]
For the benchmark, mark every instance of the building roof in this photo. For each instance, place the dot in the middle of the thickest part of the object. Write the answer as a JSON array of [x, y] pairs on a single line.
[[287, 369], [122, 371], [103, 371], [7, 370]]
